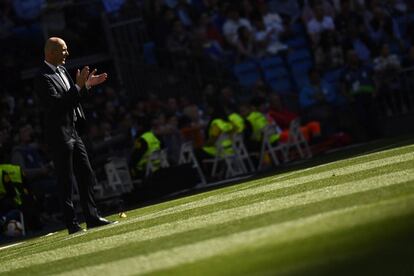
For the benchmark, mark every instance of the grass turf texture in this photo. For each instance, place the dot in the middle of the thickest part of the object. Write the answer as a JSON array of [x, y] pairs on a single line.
[[352, 216]]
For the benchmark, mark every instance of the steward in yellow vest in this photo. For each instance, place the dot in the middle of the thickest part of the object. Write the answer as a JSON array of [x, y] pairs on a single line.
[[238, 122], [255, 123], [216, 128], [145, 144], [14, 195], [11, 184]]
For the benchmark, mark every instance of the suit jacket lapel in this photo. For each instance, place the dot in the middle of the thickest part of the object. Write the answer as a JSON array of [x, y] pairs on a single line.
[[79, 109], [58, 81]]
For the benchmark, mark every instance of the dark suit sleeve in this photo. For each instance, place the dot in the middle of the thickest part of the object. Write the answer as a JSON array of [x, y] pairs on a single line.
[[51, 99]]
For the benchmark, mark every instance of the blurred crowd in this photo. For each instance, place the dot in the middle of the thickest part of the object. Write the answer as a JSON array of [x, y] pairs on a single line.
[[368, 40]]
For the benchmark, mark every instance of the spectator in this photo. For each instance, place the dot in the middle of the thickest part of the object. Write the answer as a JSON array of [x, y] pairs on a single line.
[[244, 44], [267, 38], [316, 100], [232, 25], [192, 126], [287, 8], [360, 43], [185, 13], [383, 29], [387, 67], [347, 18], [319, 23], [309, 10], [329, 54], [37, 170], [358, 85]]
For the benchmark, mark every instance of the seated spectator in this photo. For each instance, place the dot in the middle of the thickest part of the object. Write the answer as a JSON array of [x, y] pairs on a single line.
[[37, 170], [387, 67], [358, 86], [192, 126], [360, 43], [165, 127], [208, 39], [289, 9], [329, 54], [319, 23], [267, 38], [283, 117], [309, 9], [317, 99], [245, 46], [383, 29], [232, 24], [179, 45], [347, 17], [185, 13]]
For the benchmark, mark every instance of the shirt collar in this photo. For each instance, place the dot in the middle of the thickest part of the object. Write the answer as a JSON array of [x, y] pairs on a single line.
[[53, 67]]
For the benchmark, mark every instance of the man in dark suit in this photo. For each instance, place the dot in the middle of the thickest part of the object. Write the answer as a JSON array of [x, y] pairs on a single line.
[[60, 97]]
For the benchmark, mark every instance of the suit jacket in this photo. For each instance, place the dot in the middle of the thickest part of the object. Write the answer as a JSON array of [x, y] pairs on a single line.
[[58, 105]]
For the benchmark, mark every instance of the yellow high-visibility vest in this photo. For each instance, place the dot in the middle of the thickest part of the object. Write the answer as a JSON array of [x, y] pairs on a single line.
[[14, 174], [153, 145], [237, 121], [225, 127], [258, 121]]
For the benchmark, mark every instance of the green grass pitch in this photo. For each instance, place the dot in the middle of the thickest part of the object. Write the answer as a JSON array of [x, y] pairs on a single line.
[[354, 216]]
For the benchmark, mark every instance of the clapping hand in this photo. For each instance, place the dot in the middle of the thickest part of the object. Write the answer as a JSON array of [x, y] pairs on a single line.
[[82, 76], [89, 79], [94, 80]]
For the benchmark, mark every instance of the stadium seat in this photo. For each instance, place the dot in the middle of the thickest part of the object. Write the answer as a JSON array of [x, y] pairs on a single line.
[[187, 157], [246, 73], [156, 160], [270, 62], [240, 149], [278, 79], [299, 55], [299, 29], [117, 173], [233, 165], [282, 86], [268, 148], [300, 72], [297, 140], [332, 76], [297, 43]]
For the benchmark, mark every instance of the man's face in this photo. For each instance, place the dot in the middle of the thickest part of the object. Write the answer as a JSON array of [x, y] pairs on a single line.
[[61, 53]]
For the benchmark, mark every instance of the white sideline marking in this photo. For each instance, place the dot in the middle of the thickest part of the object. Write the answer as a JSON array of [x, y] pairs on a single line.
[[11, 245], [206, 220], [274, 234]]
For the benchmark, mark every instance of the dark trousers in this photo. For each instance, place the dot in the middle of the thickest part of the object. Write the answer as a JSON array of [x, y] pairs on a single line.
[[71, 159]]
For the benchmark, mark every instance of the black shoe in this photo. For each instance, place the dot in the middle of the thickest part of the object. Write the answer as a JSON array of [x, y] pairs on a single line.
[[99, 221], [76, 228]]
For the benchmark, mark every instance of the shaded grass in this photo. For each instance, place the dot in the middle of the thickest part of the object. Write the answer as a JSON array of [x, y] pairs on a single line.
[[278, 193], [328, 254], [146, 247]]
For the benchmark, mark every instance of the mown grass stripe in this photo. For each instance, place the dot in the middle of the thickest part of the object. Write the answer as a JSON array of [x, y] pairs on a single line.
[[215, 199], [198, 222], [275, 234], [222, 195]]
